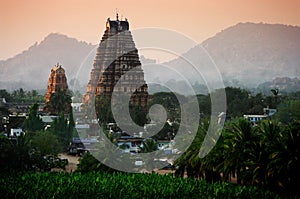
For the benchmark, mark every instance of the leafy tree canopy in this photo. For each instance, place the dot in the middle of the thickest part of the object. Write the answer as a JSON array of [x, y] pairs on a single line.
[[33, 122]]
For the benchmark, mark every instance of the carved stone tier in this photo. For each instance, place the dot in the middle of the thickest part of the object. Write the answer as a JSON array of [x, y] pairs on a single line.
[[117, 63]]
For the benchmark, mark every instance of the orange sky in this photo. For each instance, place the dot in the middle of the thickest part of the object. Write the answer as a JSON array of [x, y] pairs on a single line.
[[23, 22]]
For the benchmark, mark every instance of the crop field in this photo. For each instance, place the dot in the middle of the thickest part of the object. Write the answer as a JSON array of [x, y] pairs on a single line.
[[119, 185]]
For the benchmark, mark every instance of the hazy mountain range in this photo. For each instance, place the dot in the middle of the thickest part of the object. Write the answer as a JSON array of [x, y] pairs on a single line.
[[31, 68], [249, 54], [246, 54]]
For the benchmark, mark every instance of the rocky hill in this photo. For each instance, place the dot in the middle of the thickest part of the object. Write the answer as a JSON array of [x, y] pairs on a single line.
[[284, 84], [248, 53], [31, 68]]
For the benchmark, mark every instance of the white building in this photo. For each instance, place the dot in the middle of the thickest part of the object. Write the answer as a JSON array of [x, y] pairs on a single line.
[[256, 118], [16, 132]]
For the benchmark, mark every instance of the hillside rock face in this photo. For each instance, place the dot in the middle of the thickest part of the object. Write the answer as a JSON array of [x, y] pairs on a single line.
[[257, 52], [30, 69], [284, 84], [251, 53]]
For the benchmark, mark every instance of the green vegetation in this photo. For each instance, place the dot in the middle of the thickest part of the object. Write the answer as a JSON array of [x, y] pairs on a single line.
[[63, 129], [149, 145], [6, 95], [170, 102], [60, 102], [33, 122], [105, 115], [37, 149], [105, 185], [266, 155], [288, 111], [21, 95], [103, 109], [88, 163], [239, 102], [29, 152]]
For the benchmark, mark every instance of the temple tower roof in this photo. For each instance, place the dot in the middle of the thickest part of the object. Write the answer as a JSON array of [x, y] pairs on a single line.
[[115, 57]]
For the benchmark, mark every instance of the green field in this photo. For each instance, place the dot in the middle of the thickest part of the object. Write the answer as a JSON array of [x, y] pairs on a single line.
[[119, 185]]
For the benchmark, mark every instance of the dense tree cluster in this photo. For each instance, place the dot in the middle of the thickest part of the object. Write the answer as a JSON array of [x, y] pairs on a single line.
[[103, 108], [60, 102], [33, 122], [267, 155], [21, 95], [37, 148]]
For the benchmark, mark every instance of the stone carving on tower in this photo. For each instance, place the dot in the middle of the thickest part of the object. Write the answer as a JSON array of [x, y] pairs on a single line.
[[116, 67]]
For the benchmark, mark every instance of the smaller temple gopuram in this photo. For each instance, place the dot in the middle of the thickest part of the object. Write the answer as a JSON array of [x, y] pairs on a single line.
[[57, 83]]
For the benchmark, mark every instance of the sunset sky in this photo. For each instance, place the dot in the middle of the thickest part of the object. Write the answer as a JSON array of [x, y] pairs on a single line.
[[24, 22]]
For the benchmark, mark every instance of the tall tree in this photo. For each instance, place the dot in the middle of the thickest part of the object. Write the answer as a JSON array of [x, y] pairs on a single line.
[[60, 101], [46, 143], [288, 111], [33, 122], [103, 109], [63, 128], [6, 95], [149, 145]]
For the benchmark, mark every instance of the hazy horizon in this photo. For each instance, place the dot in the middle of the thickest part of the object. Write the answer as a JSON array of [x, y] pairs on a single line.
[[26, 22]]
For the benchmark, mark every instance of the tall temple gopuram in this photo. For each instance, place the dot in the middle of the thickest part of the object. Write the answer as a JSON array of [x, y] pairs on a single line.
[[57, 83], [117, 63]]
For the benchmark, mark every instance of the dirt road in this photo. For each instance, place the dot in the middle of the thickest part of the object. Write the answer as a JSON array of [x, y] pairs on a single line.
[[73, 161]]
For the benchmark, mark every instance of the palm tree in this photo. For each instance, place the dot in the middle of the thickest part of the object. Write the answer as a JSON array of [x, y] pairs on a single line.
[[14, 153], [149, 145], [275, 91], [238, 138], [284, 159], [103, 109], [190, 162], [275, 94]]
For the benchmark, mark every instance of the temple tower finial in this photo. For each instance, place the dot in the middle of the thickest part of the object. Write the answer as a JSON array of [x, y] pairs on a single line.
[[117, 15]]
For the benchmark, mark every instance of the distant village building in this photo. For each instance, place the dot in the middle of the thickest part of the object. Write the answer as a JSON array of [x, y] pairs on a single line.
[[76, 107], [57, 82], [2, 101], [116, 55], [16, 132], [13, 124], [255, 118], [268, 112]]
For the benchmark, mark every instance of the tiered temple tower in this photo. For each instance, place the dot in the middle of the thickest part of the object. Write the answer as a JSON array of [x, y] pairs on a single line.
[[57, 80], [116, 60]]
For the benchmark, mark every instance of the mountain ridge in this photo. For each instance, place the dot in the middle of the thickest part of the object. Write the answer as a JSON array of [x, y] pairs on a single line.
[[246, 54], [250, 53], [40, 58]]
